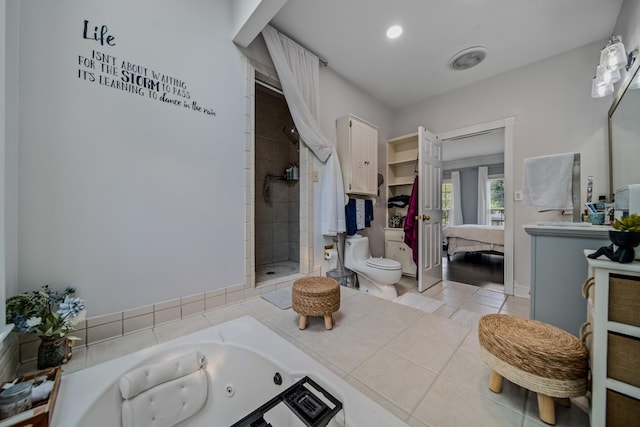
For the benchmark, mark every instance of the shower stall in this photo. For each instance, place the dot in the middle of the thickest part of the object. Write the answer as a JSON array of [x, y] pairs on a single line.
[[277, 195]]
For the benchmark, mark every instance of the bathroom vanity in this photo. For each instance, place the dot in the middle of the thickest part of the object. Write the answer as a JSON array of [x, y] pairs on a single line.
[[557, 272]]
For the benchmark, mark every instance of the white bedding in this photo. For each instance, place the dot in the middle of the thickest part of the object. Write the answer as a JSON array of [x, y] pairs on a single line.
[[474, 238]]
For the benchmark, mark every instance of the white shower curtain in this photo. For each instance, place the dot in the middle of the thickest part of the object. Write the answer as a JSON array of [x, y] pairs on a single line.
[[484, 198], [298, 71], [456, 200]]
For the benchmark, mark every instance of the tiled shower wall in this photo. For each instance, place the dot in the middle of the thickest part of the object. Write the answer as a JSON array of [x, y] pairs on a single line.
[[277, 222]]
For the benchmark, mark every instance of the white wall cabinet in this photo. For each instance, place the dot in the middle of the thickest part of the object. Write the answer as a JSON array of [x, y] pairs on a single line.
[[358, 152], [395, 248], [615, 349]]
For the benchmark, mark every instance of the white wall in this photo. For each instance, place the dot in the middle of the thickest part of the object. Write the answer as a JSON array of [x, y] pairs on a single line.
[[131, 200], [3, 276], [553, 112]]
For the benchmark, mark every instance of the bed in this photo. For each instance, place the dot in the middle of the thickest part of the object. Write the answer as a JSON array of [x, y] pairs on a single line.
[[474, 238]]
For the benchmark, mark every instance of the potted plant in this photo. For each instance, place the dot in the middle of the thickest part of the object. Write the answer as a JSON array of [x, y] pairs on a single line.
[[50, 314], [626, 236]]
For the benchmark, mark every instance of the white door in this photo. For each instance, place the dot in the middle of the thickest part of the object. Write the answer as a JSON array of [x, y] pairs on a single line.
[[429, 210]]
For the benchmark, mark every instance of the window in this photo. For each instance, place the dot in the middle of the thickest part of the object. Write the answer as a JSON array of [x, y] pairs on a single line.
[[496, 185], [446, 201]]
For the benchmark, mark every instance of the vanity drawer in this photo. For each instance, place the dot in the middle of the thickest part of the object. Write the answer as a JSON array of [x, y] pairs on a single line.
[[394, 234], [624, 299], [621, 409], [623, 358]]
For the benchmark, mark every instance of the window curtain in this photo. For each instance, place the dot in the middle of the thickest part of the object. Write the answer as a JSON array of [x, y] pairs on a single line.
[[456, 200], [298, 71], [484, 196]]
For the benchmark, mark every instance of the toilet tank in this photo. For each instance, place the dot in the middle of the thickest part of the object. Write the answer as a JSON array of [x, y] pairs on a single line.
[[357, 248]]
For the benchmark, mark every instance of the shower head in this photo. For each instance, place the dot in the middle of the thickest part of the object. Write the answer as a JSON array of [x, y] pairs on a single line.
[[292, 134]]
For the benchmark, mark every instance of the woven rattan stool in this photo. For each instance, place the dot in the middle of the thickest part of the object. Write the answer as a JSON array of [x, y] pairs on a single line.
[[536, 356], [315, 296]]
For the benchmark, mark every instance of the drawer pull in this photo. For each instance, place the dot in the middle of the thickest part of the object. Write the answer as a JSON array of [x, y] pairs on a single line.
[[586, 286]]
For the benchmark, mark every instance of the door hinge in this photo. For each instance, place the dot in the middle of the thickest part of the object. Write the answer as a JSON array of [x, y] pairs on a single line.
[[349, 186], [350, 122]]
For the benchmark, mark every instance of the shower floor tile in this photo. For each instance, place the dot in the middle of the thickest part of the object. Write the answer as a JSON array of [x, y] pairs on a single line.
[[276, 270]]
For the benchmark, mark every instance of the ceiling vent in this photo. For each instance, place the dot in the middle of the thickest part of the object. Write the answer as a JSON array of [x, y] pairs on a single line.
[[468, 58]]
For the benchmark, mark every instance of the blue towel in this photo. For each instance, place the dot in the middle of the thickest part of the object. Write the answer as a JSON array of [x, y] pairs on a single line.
[[351, 216]]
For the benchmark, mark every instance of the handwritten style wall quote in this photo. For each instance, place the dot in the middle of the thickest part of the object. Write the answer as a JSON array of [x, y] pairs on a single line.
[[124, 75]]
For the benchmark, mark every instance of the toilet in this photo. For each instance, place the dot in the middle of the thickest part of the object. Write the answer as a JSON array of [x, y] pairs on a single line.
[[376, 276]]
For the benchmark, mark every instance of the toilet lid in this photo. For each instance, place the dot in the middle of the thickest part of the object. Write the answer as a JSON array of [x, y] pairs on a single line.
[[383, 263]]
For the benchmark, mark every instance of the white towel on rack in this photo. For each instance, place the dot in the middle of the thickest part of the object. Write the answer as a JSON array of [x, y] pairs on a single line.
[[360, 222], [547, 183]]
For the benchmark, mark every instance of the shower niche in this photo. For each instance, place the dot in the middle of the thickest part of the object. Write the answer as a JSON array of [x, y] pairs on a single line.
[[277, 189]]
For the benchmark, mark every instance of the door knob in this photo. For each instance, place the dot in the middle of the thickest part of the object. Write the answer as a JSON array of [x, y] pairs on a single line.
[[424, 217]]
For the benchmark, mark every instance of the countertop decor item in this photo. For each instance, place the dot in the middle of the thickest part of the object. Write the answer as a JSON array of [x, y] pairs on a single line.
[[50, 314], [626, 236]]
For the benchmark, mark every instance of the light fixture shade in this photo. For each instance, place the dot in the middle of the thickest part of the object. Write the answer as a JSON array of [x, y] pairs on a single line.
[[599, 91], [613, 56], [605, 76]]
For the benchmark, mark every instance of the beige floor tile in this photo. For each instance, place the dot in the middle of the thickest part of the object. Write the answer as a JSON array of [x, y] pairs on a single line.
[[402, 382], [479, 308], [565, 417], [486, 300], [379, 399], [414, 422], [450, 299], [374, 329], [180, 328], [264, 308], [344, 349], [469, 370], [460, 289], [398, 314], [107, 350], [432, 354], [434, 327], [447, 310], [470, 318], [435, 289], [450, 404], [471, 342]]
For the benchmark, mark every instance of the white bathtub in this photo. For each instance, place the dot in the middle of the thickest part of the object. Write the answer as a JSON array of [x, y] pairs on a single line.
[[242, 354]]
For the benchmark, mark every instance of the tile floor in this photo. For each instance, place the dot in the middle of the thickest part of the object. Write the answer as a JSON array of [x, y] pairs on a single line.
[[423, 367]]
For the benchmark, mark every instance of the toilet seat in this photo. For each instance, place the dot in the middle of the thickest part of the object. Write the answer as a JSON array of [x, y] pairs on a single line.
[[384, 263]]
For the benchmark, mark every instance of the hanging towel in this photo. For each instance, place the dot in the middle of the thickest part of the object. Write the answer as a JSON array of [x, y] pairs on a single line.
[[547, 182], [411, 224], [368, 212], [351, 215], [360, 214]]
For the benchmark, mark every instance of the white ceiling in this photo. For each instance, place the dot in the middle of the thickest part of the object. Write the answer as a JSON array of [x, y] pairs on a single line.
[[350, 34]]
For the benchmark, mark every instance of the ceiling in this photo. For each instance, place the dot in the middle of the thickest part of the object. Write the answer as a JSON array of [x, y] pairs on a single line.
[[350, 35]]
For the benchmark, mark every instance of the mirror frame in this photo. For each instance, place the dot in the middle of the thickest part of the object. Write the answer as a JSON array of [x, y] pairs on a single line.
[[624, 86]]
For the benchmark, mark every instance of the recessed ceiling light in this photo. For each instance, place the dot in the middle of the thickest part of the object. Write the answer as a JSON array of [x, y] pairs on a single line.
[[394, 31], [468, 58]]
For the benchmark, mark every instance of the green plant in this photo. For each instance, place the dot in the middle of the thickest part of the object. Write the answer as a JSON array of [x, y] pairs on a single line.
[[628, 223], [48, 313]]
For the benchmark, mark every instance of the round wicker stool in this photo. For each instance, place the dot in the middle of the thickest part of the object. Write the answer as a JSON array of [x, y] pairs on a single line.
[[536, 356], [315, 296]]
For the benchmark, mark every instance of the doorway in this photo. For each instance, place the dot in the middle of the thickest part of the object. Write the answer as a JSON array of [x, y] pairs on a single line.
[[484, 144], [277, 185]]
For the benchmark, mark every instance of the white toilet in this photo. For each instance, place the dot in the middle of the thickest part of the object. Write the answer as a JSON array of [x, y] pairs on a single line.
[[377, 276]]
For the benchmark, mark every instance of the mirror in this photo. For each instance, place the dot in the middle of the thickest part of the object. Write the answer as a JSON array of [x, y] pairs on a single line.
[[624, 132]]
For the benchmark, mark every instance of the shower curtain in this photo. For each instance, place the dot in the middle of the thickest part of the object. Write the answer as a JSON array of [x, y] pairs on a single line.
[[456, 200], [484, 198], [298, 70]]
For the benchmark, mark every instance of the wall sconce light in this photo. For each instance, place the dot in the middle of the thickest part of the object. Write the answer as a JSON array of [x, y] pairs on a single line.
[[613, 57]]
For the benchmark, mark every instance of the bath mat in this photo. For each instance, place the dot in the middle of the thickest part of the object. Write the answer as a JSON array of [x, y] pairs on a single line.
[[280, 298], [419, 302]]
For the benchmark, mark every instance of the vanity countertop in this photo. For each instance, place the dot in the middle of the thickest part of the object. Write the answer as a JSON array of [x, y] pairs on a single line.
[[570, 229]]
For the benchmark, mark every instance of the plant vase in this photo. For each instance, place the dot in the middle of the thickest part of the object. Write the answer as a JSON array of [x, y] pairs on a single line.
[[52, 351], [625, 241]]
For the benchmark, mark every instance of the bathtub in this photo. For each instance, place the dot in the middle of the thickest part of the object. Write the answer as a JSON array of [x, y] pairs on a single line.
[[242, 359]]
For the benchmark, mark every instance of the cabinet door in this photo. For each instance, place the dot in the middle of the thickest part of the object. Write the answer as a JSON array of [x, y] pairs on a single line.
[[364, 158], [402, 253]]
